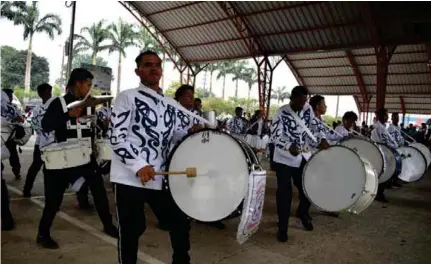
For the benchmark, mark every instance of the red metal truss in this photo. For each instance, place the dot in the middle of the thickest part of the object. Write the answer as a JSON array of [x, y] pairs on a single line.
[[403, 105], [358, 76]]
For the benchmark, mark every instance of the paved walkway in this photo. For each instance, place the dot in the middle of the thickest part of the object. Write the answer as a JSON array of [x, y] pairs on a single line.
[[398, 233]]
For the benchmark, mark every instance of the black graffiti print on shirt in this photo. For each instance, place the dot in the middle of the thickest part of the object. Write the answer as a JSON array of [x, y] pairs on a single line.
[[169, 121], [183, 120], [146, 118], [117, 122], [290, 127]]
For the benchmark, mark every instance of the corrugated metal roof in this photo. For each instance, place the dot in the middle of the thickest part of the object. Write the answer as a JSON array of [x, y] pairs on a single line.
[[317, 36]]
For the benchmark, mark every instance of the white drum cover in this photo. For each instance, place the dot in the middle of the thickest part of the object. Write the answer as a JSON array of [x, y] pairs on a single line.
[[425, 151], [104, 150], [369, 192], [222, 175], [256, 142], [367, 150], [333, 179], [5, 134], [390, 164], [413, 164], [66, 155]]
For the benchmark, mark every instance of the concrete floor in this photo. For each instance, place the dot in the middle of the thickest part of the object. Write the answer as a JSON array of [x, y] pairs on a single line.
[[391, 234]]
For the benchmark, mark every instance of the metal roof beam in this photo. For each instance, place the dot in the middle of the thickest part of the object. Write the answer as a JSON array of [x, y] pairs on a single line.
[[358, 76], [428, 46], [356, 55], [173, 8], [294, 71]]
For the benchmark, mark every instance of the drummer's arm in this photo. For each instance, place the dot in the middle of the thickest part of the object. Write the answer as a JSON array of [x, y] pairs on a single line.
[[119, 135]]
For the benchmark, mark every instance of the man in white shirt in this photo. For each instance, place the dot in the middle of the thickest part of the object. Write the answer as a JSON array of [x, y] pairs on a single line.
[[42, 139], [349, 119], [236, 124], [380, 135], [394, 130], [292, 150], [141, 132]]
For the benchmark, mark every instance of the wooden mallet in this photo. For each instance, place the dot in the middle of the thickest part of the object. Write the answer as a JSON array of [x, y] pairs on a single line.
[[190, 172]]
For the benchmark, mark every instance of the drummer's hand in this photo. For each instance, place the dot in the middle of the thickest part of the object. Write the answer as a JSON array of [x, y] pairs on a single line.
[[195, 128], [106, 123], [146, 173], [75, 112], [294, 150], [324, 144], [19, 119]]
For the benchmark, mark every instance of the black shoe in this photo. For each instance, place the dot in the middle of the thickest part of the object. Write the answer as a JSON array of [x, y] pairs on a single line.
[[7, 225], [381, 198], [306, 222], [46, 242], [306, 215], [111, 231], [26, 194], [282, 236], [218, 225]]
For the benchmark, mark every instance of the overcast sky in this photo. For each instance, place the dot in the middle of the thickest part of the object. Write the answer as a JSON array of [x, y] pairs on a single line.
[[88, 12]]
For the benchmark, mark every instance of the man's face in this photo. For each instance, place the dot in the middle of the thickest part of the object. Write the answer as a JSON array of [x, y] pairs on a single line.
[[187, 99], [321, 107], [395, 118], [45, 94], [84, 87], [150, 70], [198, 105], [385, 117], [348, 123], [299, 102], [239, 113]]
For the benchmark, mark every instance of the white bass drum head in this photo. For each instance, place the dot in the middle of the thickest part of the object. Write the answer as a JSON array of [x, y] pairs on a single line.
[[425, 151], [334, 178], [391, 164], [413, 164], [222, 175], [368, 151]]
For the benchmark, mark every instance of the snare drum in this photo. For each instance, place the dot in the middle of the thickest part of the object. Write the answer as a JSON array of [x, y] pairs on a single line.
[[350, 184], [223, 164], [65, 155], [103, 149], [367, 150], [425, 151], [414, 164], [393, 163]]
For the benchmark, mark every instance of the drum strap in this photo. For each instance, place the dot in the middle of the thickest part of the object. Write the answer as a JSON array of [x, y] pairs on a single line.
[[302, 124]]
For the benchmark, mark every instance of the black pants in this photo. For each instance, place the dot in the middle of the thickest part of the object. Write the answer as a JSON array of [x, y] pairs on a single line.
[[14, 157], [285, 174], [132, 224], [34, 169], [56, 183], [6, 215], [271, 155]]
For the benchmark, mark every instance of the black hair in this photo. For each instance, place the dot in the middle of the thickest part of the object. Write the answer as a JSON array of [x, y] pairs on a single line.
[[79, 74], [395, 113], [106, 93], [298, 91], [350, 115], [237, 109], [43, 87], [142, 54], [315, 100], [181, 90], [381, 112], [8, 91], [198, 100]]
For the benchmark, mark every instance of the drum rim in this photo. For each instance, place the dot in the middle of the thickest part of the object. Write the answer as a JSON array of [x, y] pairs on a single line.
[[422, 152], [397, 161], [306, 165], [426, 164], [172, 152], [375, 144]]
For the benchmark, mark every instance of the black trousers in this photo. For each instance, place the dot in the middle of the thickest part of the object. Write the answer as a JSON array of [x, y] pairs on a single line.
[[14, 157], [271, 147], [285, 174], [56, 183], [6, 215], [132, 224]]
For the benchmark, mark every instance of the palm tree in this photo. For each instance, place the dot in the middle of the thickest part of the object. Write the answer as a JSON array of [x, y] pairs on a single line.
[[239, 72], [250, 78], [8, 9], [30, 17], [122, 36], [223, 70], [145, 41], [212, 67], [280, 94], [98, 33]]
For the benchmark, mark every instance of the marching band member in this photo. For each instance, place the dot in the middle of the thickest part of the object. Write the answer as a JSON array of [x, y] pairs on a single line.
[[141, 131], [11, 144], [236, 125], [103, 115], [198, 106], [42, 139], [349, 118], [8, 115], [380, 135], [292, 150], [56, 120], [395, 132]]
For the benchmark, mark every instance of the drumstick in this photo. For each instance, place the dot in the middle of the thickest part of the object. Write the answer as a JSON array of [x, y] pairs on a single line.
[[328, 127], [407, 135], [190, 172]]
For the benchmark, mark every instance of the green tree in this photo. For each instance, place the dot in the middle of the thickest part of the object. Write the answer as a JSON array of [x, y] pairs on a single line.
[[123, 36], [280, 94], [202, 93], [98, 35], [9, 9], [250, 77], [239, 72], [223, 70], [32, 21], [13, 68]]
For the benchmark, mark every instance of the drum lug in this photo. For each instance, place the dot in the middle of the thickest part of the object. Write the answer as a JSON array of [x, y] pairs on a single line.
[[255, 167]]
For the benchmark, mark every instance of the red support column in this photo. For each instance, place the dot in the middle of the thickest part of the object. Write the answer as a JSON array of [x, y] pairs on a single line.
[[403, 107], [383, 55]]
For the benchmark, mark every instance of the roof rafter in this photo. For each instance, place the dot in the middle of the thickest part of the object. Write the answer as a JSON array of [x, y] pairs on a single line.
[[358, 76], [403, 105]]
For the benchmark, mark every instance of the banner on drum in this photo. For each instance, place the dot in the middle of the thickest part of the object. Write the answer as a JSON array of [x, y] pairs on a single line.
[[253, 206]]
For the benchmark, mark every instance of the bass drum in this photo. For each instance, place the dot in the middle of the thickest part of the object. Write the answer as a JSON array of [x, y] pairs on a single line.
[[425, 151], [223, 164], [414, 164], [367, 150], [350, 186], [393, 163]]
